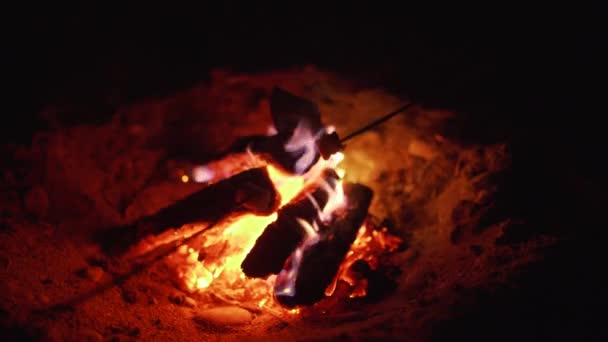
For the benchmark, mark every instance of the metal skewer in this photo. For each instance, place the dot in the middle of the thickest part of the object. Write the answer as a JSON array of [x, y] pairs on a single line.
[[376, 122]]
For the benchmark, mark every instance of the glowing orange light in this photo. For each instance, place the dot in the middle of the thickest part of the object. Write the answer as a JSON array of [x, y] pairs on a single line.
[[228, 245], [340, 172], [288, 186], [213, 261], [368, 245]]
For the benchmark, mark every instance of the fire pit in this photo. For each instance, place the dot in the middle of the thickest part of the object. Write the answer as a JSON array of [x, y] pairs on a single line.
[[237, 209], [288, 228]]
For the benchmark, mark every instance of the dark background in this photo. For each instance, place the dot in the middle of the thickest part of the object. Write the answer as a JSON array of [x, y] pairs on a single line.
[[528, 76]]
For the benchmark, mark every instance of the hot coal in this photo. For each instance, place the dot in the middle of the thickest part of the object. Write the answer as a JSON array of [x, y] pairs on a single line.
[[282, 237], [320, 262], [379, 283], [250, 191]]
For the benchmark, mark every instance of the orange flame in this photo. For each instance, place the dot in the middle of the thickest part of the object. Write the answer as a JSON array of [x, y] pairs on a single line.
[[213, 261]]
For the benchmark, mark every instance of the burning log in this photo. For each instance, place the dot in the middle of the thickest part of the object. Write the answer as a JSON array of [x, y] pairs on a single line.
[[300, 140], [288, 111], [315, 263], [252, 188], [250, 191], [296, 120], [281, 238]]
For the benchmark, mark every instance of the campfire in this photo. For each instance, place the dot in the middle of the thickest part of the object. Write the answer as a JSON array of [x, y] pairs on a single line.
[[235, 209], [276, 224]]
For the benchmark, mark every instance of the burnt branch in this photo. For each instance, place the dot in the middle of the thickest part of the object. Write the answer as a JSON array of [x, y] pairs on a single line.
[[320, 262], [281, 238], [253, 188]]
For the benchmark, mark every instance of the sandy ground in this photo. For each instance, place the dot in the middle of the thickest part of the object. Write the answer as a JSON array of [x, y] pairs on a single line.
[[441, 196]]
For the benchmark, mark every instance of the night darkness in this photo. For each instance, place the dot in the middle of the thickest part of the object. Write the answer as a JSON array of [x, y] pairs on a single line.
[[529, 78]]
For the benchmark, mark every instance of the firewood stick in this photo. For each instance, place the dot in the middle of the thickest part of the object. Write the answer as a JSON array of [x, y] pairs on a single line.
[[376, 122], [288, 112], [206, 205], [320, 262]]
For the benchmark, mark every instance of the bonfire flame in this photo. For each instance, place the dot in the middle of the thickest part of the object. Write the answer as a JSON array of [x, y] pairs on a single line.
[[213, 262]]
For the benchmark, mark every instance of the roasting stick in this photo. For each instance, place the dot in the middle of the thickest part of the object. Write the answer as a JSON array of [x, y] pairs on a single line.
[[330, 143], [376, 122]]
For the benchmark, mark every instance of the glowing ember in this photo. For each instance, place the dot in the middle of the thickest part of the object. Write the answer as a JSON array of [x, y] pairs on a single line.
[[369, 244]]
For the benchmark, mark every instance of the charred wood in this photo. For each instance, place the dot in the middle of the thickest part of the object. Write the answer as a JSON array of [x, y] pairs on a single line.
[[250, 191], [289, 113], [320, 262]]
